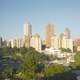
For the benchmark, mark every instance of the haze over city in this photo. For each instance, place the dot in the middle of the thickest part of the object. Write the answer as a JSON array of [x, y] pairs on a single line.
[[61, 13], [39, 39]]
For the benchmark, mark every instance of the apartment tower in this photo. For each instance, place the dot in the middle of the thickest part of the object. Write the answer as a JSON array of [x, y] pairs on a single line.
[[27, 34], [49, 34]]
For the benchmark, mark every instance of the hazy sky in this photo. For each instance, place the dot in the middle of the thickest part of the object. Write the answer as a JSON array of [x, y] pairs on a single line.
[[61, 13]]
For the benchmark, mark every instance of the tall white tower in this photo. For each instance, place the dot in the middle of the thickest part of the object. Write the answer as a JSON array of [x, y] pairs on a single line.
[[27, 34], [27, 29]]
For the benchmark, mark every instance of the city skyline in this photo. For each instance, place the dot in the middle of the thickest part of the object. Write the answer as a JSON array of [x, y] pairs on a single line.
[[61, 14]]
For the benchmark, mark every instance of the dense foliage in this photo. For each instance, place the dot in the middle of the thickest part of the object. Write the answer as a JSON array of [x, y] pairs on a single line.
[[65, 50], [22, 62], [76, 64], [28, 64]]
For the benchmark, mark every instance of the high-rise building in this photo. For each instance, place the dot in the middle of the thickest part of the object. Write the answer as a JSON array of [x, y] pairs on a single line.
[[8, 43], [55, 42], [49, 34], [13, 43], [1, 42], [36, 42], [67, 33], [26, 41], [67, 43], [61, 36], [27, 29], [17, 42], [27, 34], [65, 40]]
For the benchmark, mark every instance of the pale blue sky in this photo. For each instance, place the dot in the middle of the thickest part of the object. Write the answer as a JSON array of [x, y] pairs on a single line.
[[61, 13]]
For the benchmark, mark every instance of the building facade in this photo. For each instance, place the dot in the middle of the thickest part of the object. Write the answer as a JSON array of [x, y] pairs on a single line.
[[17, 42], [49, 34], [55, 42], [27, 34], [63, 41], [36, 42], [27, 29]]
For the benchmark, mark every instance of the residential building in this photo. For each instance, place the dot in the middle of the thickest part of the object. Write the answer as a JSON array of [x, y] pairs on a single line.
[[17, 42], [27, 34], [55, 42], [36, 42], [26, 41], [27, 29], [8, 43], [49, 34], [67, 43], [78, 48], [63, 58], [13, 43]]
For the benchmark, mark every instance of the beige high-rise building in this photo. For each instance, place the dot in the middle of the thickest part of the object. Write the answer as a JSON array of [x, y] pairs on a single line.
[[27, 34], [67, 42], [55, 42], [36, 42], [49, 34], [27, 41], [63, 41]]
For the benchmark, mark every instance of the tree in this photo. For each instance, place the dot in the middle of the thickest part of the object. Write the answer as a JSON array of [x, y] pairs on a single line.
[[65, 50], [53, 69], [77, 59], [31, 61], [68, 50], [6, 72], [76, 64], [74, 49]]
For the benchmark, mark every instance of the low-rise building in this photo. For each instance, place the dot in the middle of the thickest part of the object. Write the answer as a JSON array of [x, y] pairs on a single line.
[[78, 48], [61, 57]]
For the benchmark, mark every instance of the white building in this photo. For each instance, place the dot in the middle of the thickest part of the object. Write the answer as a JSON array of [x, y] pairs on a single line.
[[55, 42], [27, 34], [36, 42], [27, 29], [16, 43], [67, 43], [52, 51], [13, 44], [61, 57]]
